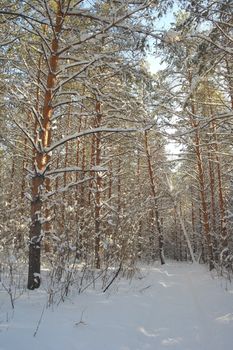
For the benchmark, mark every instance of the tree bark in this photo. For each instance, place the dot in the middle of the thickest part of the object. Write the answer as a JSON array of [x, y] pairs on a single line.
[[98, 188], [201, 180], [153, 192], [182, 224], [41, 161]]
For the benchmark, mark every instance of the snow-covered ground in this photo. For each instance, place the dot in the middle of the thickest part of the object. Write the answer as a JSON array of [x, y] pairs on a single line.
[[177, 306]]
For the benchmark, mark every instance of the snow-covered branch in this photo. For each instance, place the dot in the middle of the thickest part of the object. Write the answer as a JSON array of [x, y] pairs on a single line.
[[27, 135], [64, 189], [22, 15], [86, 133], [114, 23], [75, 169]]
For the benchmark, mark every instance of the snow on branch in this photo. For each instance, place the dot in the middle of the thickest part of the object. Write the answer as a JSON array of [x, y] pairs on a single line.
[[114, 23], [76, 169], [62, 83], [86, 133], [37, 116], [198, 79], [22, 15], [207, 38], [27, 135], [71, 65], [64, 189], [63, 170], [5, 43], [41, 35]]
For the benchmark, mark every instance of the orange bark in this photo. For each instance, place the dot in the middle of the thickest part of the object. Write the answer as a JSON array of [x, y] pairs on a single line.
[[201, 180], [41, 161], [224, 238]]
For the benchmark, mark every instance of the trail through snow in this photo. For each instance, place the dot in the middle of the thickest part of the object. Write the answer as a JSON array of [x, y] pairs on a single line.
[[177, 306]]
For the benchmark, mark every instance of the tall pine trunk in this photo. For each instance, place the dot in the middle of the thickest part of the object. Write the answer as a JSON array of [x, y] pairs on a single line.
[[41, 161], [153, 192], [98, 188]]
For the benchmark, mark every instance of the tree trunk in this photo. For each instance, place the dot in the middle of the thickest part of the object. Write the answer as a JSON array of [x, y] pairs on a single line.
[[203, 198], [224, 235], [181, 220], [98, 188], [153, 192], [41, 161], [201, 180]]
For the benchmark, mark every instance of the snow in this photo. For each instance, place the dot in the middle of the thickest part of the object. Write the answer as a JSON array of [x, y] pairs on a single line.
[[176, 306], [86, 133]]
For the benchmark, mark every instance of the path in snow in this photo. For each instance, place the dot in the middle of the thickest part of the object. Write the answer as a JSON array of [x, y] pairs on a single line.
[[177, 306]]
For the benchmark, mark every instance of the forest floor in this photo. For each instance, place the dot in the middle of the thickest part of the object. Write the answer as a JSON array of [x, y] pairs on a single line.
[[177, 306]]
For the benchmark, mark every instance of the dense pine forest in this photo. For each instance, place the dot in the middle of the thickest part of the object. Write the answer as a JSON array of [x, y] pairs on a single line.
[[104, 163]]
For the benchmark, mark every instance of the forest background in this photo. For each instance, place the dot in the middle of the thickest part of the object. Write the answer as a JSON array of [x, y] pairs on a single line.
[[85, 176]]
